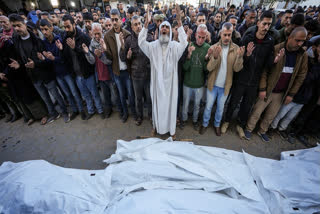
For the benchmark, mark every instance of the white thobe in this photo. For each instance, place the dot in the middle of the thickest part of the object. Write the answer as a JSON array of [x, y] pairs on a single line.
[[164, 79]]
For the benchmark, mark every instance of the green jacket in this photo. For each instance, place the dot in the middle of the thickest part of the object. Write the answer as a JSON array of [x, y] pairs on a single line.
[[194, 68]]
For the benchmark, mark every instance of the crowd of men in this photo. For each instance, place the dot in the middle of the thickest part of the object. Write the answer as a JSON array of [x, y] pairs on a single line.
[[261, 64]]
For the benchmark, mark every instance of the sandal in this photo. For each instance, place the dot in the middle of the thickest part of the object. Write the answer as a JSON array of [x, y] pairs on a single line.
[[30, 122], [44, 120]]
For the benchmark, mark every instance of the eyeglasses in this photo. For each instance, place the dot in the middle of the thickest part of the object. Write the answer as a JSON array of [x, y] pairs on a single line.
[[114, 19]]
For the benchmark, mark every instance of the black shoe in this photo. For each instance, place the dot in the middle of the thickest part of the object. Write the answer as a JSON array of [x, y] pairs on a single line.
[[124, 118], [135, 117], [202, 130], [283, 134], [83, 115], [304, 140], [181, 125], [102, 115], [9, 118], [15, 117], [73, 115], [66, 118], [89, 116], [53, 118], [271, 132], [108, 112], [291, 138], [195, 125]]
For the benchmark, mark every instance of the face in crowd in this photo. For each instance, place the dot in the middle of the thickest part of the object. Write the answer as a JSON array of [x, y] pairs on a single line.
[[201, 20], [226, 35], [136, 25], [69, 28]]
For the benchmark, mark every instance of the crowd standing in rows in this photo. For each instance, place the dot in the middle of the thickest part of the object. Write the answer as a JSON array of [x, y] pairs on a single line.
[[263, 62]]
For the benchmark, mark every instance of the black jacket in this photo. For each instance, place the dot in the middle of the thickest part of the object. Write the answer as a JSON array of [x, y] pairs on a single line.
[[310, 87], [261, 57], [139, 64], [43, 70], [86, 69]]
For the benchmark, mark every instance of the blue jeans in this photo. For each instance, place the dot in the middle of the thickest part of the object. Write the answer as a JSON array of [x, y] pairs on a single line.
[[69, 88], [89, 92], [217, 92], [44, 89], [197, 93], [123, 82], [109, 90]]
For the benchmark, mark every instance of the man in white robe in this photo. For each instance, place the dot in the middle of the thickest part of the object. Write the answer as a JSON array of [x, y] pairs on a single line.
[[164, 56]]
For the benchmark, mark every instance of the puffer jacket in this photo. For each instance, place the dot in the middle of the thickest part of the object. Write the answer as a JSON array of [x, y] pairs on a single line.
[[261, 57]]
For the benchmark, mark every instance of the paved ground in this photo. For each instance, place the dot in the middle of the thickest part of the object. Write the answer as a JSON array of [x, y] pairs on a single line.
[[84, 144]]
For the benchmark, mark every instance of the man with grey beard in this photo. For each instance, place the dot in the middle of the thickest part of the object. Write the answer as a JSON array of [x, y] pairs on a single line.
[[164, 55]]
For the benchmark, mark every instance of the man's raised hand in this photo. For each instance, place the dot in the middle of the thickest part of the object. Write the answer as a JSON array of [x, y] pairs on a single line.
[[250, 48], [14, 64], [279, 55]]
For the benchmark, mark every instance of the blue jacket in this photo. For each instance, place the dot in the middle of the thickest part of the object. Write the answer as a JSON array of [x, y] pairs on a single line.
[[59, 64]]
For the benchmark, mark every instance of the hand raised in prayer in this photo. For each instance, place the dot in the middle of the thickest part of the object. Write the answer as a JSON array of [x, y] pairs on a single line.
[[71, 43], [178, 15], [14, 64], [59, 44], [121, 37], [216, 51], [148, 19], [3, 77], [40, 56], [85, 48], [288, 100], [279, 55], [240, 51], [97, 52], [262, 95], [190, 50], [48, 55], [103, 45], [29, 64], [129, 54], [250, 48]]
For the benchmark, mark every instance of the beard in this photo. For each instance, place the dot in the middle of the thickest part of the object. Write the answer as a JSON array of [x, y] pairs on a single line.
[[70, 33], [164, 39]]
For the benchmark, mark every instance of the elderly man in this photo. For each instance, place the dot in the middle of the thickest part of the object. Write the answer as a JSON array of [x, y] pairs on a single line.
[[225, 58], [164, 55], [194, 70]]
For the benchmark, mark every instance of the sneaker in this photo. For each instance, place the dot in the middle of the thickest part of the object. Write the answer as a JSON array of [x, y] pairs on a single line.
[[247, 135], [264, 137], [53, 118], [224, 127], [240, 131], [15, 117], [181, 125], [102, 115], [139, 121], [66, 118], [283, 134], [291, 138], [195, 125], [202, 130], [73, 115]]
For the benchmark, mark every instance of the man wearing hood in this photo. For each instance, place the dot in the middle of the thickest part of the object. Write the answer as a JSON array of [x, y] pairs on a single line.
[[250, 19], [164, 55], [259, 55]]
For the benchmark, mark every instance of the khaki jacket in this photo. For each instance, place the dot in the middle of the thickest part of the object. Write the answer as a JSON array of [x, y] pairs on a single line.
[[270, 78], [112, 50], [234, 64]]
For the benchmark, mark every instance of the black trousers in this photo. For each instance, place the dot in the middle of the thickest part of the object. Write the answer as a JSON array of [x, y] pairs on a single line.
[[248, 94]]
